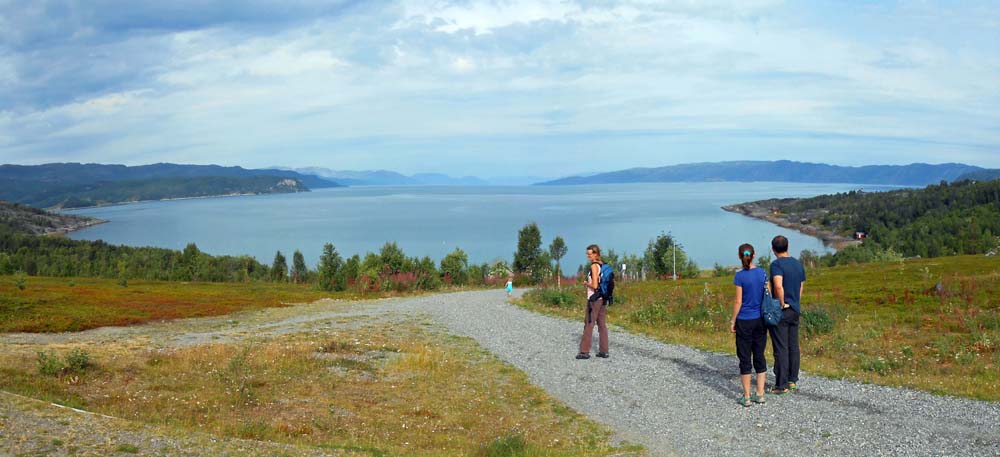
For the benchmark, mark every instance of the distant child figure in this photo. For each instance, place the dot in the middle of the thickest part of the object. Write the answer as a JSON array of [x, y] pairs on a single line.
[[510, 287], [788, 279], [748, 325], [597, 309]]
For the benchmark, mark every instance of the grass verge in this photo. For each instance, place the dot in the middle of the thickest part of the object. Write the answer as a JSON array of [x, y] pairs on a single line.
[[72, 304], [382, 389]]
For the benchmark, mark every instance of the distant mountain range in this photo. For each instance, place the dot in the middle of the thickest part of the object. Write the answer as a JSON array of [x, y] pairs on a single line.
[[87, 173], [74, 185], [390, 178], [918, 174]]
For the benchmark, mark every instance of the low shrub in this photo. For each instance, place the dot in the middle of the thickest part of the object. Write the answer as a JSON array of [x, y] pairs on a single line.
[[816, 322], [76, 361], [554, 298], [49, 364], [875, 364]]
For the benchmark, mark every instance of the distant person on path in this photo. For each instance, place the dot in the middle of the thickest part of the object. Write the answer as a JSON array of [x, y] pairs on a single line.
[[788, 279], [597, 310], [748, 325], [510, 287]]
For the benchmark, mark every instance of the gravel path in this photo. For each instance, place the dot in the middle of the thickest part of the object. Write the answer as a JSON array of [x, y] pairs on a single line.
[[673, 399], [678, 400]]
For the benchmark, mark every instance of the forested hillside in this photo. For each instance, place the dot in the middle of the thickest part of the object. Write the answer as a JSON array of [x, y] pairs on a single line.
[[74, 185], [944, 219], [52, 195]]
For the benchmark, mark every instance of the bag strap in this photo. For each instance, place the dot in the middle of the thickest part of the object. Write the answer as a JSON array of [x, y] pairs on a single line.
[[764, 293]]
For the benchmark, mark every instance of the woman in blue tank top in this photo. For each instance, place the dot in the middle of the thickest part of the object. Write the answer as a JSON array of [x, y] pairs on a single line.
[[748, 325]]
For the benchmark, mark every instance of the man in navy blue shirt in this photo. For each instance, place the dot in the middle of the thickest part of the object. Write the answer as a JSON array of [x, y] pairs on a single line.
[[787, 281]]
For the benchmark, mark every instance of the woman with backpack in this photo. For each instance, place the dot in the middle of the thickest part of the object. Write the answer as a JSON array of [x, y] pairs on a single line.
[[748, 325], [597, 309]]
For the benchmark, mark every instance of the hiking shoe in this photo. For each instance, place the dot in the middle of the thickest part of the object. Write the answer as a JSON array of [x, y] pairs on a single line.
[[759, 399], [743, 401], [582, 356], [777, 391], [603, 355], [792, 387]]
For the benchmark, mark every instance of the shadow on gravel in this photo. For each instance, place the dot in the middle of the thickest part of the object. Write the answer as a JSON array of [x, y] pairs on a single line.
[[716, 374], [719, 373], [722, 380], [818, 397]]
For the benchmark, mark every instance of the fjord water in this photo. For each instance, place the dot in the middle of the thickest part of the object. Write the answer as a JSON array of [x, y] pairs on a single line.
[[483, 221]]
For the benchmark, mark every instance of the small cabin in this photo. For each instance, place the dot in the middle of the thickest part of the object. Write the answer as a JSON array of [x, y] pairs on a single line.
[[860, 235]]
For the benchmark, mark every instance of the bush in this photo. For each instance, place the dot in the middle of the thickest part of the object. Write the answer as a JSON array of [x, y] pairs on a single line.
[[20, 281], [865, 253], [237, 378], [554, 298], [816, 322], [721, 271], [49, 364], [77, 360]]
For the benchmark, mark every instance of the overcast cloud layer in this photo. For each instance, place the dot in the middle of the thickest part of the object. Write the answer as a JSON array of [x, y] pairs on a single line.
[[499, 88]]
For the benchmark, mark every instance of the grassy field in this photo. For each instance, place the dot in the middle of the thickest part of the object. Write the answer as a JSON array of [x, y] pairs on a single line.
[[370, 388], [74, 304], [928, 324]]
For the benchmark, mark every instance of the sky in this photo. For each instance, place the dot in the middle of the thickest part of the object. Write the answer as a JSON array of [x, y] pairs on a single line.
[[499, 88]]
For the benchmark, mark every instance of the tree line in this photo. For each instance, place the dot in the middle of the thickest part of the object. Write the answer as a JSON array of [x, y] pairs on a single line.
[[389, 269], [663, 257]]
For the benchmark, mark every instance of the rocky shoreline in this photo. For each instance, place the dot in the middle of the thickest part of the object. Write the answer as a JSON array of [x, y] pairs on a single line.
[[764, 210], [34, 221], [74, 226]]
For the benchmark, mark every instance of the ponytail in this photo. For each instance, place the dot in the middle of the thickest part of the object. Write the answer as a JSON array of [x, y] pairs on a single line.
[[746, 255]]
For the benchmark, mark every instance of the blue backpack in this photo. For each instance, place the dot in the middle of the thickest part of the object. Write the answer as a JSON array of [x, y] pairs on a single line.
[[606, 284]]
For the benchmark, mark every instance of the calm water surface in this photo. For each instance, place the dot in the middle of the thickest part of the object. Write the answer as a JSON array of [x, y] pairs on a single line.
[[483, 221]]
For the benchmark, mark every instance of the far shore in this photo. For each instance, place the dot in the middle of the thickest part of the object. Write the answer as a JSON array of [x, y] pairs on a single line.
[[132, 202], [73, 228]]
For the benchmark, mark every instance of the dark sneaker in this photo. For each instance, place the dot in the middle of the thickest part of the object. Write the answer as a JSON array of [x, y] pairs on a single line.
[[582, 356], [777, 391], [603, 355]]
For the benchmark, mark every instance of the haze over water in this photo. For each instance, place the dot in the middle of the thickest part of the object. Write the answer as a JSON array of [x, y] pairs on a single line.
[[483, 221]]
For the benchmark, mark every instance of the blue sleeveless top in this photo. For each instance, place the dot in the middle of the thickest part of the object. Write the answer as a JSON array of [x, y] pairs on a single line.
[[752, 281]]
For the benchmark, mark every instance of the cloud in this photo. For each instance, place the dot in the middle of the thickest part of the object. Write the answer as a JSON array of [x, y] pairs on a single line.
[[359, 85]]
